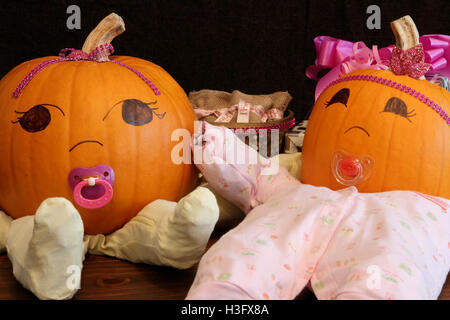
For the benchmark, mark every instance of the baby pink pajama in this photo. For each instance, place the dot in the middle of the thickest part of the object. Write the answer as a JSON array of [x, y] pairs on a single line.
[[348, 245]]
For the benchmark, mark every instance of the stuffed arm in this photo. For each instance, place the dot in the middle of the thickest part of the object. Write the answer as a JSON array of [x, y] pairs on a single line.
[[5, 222], [163, 233], [46, 249]]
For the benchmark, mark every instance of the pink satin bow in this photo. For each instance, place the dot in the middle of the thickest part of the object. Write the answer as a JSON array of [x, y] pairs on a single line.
[[343, 56]]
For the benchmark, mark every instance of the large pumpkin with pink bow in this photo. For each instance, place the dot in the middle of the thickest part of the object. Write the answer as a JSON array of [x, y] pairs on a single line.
[[380, 131], [92, 129]]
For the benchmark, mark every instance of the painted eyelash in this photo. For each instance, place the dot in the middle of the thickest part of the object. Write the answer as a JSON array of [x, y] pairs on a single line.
[[398, 107], [18, 118], [36, 118], [159, 115], [145, 103], [42, 104], [339, 97]]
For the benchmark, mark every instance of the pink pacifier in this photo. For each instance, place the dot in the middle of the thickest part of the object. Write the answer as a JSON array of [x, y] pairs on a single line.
[[349, 169], [92, 187]]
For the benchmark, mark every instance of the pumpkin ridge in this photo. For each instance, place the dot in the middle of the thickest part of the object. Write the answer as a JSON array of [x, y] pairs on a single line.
[[136, 138], [388, 156], [183, 123], [442, 166], [37, 91]]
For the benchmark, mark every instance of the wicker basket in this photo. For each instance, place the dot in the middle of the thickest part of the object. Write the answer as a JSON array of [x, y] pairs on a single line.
[[250, 132]]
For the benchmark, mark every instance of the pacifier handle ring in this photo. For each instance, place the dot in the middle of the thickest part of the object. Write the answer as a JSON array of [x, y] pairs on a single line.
[[93, 203]]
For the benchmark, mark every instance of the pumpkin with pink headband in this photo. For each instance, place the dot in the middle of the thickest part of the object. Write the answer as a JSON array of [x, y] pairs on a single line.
[[86, 166], [92, 128], [382, 129], [369, 218]]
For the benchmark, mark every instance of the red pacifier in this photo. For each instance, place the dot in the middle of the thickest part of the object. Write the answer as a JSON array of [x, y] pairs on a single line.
[[92, 187], [349, 169]]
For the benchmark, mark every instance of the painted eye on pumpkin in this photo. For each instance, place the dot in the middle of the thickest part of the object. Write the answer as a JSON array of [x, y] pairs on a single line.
[[136, 112], [398, 107], [36, 118], [339, 97]]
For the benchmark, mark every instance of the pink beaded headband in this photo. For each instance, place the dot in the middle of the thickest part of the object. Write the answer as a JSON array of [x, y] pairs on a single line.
[[70, 54], [395, 85]]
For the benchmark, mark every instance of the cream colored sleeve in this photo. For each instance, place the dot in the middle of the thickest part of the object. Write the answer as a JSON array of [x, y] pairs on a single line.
[[45, 249], [164, 232], [5, 223]]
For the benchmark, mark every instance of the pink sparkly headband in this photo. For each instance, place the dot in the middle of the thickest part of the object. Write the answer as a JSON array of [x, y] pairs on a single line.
[[70, 54], [395, 85]]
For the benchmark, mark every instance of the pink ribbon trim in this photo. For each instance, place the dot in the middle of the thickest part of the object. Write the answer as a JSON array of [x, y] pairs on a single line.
[[280, 127], [225, 115], [444, 206]]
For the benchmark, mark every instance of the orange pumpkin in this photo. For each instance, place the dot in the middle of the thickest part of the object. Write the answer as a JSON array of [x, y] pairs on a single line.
[[406, 136], [83, 114]]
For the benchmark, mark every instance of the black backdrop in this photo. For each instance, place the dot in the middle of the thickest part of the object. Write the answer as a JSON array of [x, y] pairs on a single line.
[[256, 46]]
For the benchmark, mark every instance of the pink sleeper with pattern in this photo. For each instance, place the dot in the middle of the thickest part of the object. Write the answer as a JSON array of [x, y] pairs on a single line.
[[346, 244]]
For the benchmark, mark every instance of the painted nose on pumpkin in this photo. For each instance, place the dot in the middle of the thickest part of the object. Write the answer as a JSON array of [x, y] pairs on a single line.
[[92, 187]]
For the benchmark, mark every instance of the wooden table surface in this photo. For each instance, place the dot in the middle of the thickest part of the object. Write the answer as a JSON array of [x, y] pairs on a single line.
[[109, 278]]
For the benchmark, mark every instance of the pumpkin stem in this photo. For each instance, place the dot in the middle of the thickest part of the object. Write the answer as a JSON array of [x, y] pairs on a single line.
[[405, 32], [109, 28]]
